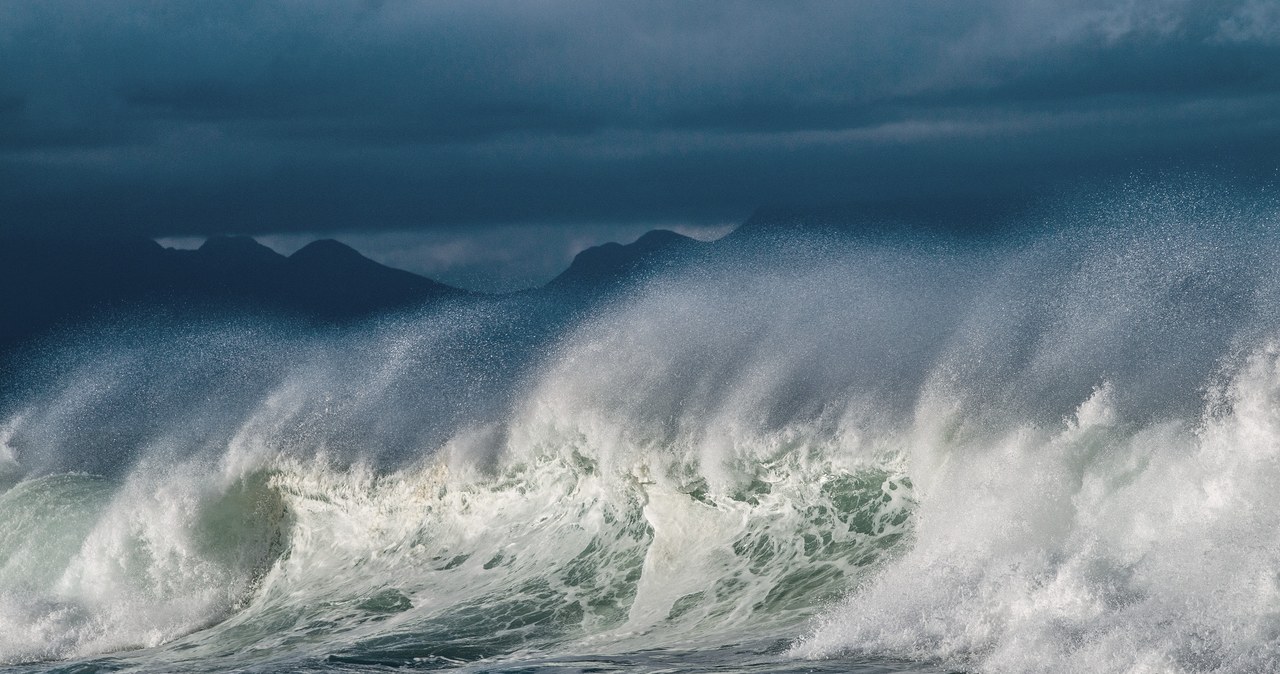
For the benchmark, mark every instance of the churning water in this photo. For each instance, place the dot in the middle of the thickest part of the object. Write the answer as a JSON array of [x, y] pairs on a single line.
[[1055, 451]]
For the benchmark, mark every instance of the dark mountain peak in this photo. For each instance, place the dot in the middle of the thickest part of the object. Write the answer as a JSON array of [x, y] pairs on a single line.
[[331, 278], [660, 238], [340, 263], [62, 283], [241, 248], [327, 250], [612, 263]]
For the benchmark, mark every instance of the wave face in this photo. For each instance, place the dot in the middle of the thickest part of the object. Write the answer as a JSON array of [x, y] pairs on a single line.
[[1052, 451]]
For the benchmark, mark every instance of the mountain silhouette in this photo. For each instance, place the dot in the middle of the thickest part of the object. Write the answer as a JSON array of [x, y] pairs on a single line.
[[612, 265], [330, 278], [50, 283]]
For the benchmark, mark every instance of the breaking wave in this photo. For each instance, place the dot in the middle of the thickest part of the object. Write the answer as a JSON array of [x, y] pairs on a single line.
[[1056, 450]]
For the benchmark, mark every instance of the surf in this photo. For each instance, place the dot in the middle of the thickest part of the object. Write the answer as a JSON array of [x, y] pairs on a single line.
[[1054, 449]]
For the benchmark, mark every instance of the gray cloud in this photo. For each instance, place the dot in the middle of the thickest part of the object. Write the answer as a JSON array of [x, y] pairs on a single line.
[[187, 118]]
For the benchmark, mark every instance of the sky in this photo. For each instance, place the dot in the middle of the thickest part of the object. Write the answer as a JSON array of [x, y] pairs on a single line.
[[479, 131]]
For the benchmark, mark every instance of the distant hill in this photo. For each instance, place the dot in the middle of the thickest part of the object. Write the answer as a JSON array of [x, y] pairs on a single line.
[[56, 282], [612, 264], [50, 284]]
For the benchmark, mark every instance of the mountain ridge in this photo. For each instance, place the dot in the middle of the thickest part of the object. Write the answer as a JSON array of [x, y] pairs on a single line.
[[56, 283], [51, 282], [612, 264]]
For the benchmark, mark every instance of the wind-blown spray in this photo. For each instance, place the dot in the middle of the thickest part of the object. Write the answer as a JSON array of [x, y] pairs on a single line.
[[1049, 451]]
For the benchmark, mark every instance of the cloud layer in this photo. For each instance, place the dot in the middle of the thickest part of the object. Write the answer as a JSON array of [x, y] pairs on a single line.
[[183, 118]]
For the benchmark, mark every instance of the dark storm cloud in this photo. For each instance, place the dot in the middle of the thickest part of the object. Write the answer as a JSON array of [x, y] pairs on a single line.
[[170, 118]]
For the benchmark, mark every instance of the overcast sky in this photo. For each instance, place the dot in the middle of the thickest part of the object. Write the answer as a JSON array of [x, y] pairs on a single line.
[[455, 120]]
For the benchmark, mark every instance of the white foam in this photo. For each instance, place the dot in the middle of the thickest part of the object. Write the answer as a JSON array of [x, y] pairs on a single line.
[[1003, 447], [1093, 548]]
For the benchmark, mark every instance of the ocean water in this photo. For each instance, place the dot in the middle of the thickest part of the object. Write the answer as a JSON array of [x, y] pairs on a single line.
[[1056, 449]]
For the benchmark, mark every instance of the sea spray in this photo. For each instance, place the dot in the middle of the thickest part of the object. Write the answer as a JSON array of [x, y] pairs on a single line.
[[1048, 451], [91, 566], [1102, 546]]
